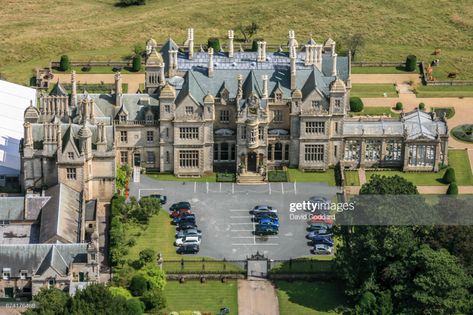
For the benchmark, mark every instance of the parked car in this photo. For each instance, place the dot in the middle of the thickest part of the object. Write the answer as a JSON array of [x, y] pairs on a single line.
[[180, 212], [313, 234], [323, 240], [187, 240], [262, 215], [261, 229], [188, 217], [321, 203], [269, 221], [186, 225], [163, 199], [180, 205], [263, 209], [319, 227], [189, 232], [322, 249], [188, 249], [320, 219]]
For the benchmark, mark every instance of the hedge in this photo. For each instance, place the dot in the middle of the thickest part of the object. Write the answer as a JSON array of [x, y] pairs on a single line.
[[452, 189], [136, 63], [411, 63], [214, 42], [277, 176], [356, 104], [226, 177], [64, 64], [449, 176]]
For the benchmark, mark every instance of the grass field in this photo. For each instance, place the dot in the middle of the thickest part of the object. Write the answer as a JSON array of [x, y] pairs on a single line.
[[35, 32], [458, 159], [352, 178], [203, 297], [310, 298], [375, 111], [326, 177], [444, 91], [373, 90]]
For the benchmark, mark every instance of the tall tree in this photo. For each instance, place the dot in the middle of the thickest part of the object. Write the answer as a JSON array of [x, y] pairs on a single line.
[[355, 43]]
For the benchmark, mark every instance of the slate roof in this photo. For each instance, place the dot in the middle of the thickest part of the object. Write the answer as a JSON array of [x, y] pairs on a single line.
[[37, 258], [90, 210], [58, 90], [60, 216], [13, 208]]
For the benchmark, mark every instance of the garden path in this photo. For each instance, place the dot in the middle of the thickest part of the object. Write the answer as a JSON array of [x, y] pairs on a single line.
[[132, 79], [257, 297]]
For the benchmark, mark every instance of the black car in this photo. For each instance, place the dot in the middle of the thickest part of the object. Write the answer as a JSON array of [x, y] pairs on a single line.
[[186, 217], [180, 205], [270, 215], [188, 249], [163, 199], [265, 230], [186, 225]]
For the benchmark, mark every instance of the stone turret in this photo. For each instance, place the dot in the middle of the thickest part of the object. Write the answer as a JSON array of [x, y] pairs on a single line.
[[101, 138]]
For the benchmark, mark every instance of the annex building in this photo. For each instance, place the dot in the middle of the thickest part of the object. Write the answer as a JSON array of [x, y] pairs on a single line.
[[205, 111]]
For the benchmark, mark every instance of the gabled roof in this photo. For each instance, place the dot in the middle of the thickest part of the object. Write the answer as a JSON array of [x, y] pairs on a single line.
[[251, 86], [419, 124], [60, 216], [168, 45], [314, 82], [191, 88], [58, 90], [277, 88]]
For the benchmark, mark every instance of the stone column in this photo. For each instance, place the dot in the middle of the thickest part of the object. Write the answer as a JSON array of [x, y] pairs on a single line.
[[230, 43], [406, 157], [190, 41], [162, 78], [28, 134], [293, 68]]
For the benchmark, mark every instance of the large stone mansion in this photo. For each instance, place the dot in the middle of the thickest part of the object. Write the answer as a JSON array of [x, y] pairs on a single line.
[[205, 111]]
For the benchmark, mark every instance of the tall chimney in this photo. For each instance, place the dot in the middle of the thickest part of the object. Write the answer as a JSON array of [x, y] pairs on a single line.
[[59, 136], [118, 88], [258, 58], [74, 88], [210, 52], [318, 56], [308, 51], [162, 78], [333, 48], [28, 134], [230, 43], [265, 85], [334, 65], [263, 52], [190, 42], [293, 67], [240, 87]]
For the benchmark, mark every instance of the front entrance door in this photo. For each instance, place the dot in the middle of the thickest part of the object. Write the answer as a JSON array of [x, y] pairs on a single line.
[[252, 162], [136, 159]]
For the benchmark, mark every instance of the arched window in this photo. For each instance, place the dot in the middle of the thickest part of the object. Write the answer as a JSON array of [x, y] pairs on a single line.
[[278, 151]]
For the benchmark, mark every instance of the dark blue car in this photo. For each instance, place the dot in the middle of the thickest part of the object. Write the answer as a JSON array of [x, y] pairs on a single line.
[[321, 239], [184, 218]]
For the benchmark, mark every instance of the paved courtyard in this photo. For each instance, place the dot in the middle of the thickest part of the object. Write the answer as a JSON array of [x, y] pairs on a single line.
[[222, 211]]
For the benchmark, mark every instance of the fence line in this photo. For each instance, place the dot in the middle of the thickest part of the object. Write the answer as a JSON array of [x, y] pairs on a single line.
[[426, 81]]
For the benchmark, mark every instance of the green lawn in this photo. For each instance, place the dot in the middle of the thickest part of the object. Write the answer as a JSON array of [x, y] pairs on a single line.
[[170, 177], [352, 178], [378, 70], [328, 176], [375, 111], [310, 298], [444, 91], [373, 90], [203, 297], [458, 159]]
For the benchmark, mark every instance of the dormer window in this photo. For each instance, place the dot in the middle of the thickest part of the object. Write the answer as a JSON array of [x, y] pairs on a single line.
[[123, 118], [6, 273], [70, 155], [278, 96], [23, 274], [149, 118], [167, 108], [189, 110], [338, 103], [315, 104]]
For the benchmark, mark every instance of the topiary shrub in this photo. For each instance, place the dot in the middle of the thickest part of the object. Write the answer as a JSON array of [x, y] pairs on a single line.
[[421, 106], [214, 42], [254, 45], [356, 104], [452, 189], [399, 106], [64, 63], [138, 285], [134, 307], [411, 63], [136, 65], [449, 176], [154, 299]]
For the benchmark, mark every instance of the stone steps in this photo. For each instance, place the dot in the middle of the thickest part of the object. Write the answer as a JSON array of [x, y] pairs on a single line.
[[251, 179]]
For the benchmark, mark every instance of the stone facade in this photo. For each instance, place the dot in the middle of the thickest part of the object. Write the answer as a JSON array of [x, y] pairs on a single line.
[[215, 111]]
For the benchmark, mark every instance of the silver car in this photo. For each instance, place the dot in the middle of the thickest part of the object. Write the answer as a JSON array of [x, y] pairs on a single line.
[[188, 232]]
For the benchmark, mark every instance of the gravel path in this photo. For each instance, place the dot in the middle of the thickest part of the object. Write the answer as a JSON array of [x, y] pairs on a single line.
[[257, 297]]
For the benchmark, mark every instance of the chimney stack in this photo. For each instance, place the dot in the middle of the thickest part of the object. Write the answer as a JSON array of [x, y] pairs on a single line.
[[240, 87], [210, 52], [74, 88], [230, 43], [318, 56], [162, 78], [265, 85], [190, 42], [334, 65], [333, 48], [28, 134], [118, 89], [293, 54]]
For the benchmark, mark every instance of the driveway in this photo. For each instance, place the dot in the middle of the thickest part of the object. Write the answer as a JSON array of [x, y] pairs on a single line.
[[222, 211]]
